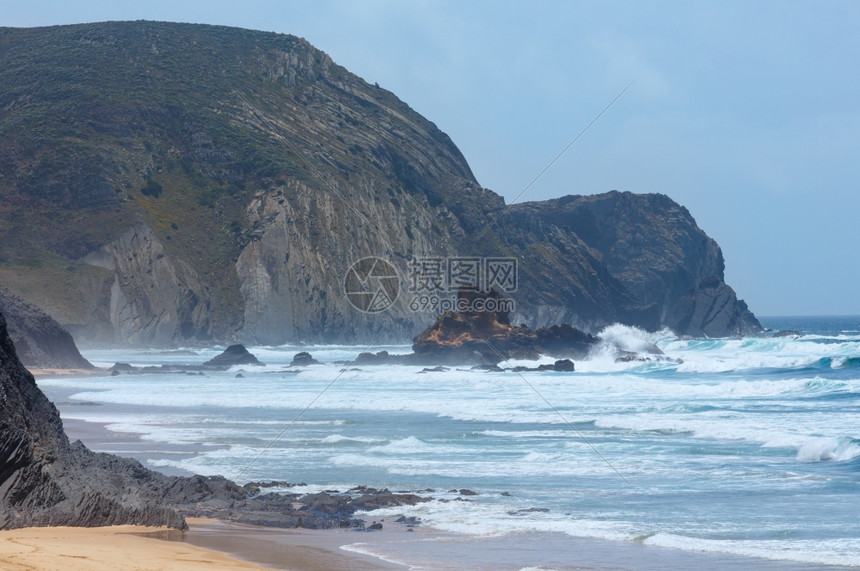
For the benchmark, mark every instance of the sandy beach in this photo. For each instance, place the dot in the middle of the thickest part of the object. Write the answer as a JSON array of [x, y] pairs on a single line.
[[123, 547], [208, 544]]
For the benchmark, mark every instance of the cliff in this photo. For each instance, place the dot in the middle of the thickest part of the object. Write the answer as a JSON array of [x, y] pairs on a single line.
[[167, 184], [671, 272]]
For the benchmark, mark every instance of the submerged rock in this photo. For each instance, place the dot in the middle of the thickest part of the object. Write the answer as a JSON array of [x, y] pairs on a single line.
[[122, 368], [232, 355], [437, 369], [787, 333], [561, 366], [303, 359]]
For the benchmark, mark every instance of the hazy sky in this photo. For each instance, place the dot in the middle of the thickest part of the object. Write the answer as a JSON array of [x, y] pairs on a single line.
[[747, 113]]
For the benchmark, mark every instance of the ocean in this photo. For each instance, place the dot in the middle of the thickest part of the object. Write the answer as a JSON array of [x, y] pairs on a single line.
[[747, 448]]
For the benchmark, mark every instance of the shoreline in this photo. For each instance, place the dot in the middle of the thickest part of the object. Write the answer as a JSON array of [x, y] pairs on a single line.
[[216, 544], [396, 548], [41, 373]]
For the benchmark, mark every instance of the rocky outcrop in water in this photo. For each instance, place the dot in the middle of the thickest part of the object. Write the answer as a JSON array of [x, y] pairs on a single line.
[[487, 338], [303, 359], [39, 340]]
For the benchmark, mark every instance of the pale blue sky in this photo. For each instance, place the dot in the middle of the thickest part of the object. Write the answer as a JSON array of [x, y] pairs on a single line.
[[747, 113]]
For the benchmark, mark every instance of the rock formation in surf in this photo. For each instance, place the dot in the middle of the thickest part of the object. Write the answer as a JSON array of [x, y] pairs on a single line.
[[488, 338]]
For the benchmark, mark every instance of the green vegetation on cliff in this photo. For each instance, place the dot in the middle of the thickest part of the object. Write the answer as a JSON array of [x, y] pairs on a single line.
[[170, 183]]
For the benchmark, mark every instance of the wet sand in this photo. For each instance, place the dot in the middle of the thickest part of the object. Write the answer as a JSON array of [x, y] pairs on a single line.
[[299, 549], [395, 547], [213, 544]]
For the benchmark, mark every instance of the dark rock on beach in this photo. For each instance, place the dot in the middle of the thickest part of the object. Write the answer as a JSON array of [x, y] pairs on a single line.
[[46, 480], [40, 341], [411, 520], [219, 498]]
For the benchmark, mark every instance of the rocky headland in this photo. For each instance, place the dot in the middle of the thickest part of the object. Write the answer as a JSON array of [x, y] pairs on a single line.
[[219, 184]]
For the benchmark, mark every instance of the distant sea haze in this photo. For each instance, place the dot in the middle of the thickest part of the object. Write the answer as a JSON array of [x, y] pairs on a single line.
[[745, 447]]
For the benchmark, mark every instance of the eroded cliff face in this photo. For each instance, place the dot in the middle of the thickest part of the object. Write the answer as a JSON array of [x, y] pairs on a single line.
[[154, 299], [293, 267], [224, 198]]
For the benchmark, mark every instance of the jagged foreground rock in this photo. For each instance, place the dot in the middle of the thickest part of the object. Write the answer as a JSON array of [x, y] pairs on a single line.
[[219, 183], [47, 481]]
